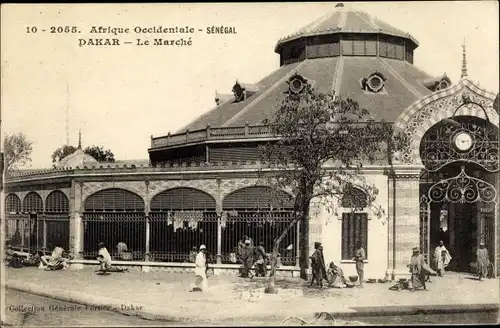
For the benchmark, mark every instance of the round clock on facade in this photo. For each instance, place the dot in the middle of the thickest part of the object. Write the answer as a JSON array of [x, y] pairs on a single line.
[[463, 141]]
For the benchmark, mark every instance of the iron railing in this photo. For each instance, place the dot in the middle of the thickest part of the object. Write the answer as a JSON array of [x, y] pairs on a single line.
[[175, 236], [28, 233], [112, 228]]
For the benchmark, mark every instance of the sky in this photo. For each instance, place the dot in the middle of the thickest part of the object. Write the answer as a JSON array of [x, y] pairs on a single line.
[[120, 96]]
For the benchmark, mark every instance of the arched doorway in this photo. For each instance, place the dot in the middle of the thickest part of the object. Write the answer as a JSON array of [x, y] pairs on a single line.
[[458, 198], [55, 226], [112, 216], [182, 219], [33, 208], [262, 214], [14, 220]]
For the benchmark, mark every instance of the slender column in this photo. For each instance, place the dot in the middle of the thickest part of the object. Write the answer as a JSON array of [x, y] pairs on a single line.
[[75, 223], [148, 236], [406, 232], [23, 227], [219, 238], [219, 224], [297, 248], [44, 232], [148, 226]]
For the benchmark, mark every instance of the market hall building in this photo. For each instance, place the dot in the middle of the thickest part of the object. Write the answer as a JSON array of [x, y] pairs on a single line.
[[201, 185]]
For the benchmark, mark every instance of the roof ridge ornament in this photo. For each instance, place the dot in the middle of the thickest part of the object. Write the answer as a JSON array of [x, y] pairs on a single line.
[[464, 60]]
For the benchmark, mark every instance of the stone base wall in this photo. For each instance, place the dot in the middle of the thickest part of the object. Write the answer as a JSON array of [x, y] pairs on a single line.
[[145, 267]]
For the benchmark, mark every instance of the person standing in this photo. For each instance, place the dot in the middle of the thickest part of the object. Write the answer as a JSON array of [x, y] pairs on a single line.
[[359, 258], [483, 261], [261, 260], [247, 254], [200, 271], [441, 258], [318, 266], [418, 270]]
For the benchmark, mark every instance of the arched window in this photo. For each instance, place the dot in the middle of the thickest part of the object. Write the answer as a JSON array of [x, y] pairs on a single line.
[[12, 204], [114, 216], [179, 199], [33, 203], [180, 219], [257, 198], [354, 198], [57, 202], [114, 199], [260, 213], [354, 222]]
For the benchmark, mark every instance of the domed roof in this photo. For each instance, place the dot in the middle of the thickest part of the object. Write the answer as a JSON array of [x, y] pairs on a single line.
[[346, 20], [370, 62], [78, 158]]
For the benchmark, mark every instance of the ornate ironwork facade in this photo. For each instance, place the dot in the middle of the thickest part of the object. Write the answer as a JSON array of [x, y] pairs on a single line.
[[439, 146]]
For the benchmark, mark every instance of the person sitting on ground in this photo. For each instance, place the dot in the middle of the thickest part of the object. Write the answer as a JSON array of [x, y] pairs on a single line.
[[33, 259], [13, 259], [123, 253], [57, 260], [336, 276], [104, 259], [233, 257], [192, 254]]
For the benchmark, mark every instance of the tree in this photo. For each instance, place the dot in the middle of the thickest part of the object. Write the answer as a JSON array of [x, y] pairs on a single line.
[[62, 152], [323, 141], [17, 151], [96, 152], [100, 154]]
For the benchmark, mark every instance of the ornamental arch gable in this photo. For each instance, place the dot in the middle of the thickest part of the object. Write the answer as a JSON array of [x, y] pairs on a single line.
[[114, 199], [208, 186], [136, 187], [462, 99], [182, 199], [257, 197]]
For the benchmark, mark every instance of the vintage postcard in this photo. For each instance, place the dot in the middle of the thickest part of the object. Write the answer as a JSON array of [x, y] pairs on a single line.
[[247, 164]]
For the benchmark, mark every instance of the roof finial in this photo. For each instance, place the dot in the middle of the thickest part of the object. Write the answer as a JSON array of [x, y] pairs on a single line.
[[80, 139], [464, 61]]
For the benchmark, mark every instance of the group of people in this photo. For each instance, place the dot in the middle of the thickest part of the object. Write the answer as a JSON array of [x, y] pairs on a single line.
[[334, 275], [58, 260], [421, 272], [249, 255]]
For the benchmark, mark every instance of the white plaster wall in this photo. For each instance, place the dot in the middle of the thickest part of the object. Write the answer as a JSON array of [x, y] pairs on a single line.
[[331, 234]]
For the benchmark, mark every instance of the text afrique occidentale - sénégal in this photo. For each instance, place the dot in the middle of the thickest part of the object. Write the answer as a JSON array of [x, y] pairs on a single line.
[[142, 30]]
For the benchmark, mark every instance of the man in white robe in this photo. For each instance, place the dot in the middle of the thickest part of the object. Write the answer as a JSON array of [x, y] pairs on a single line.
[[201, 283], [441, 258]]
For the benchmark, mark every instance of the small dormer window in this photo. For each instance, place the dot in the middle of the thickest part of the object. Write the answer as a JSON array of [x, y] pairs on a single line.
[[375, 83], [239, 92], [437, 84], [443, 84], [296, 84]]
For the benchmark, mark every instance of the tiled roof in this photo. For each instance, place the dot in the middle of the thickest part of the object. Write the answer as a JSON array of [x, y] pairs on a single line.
[[342, 20], [404, 85]]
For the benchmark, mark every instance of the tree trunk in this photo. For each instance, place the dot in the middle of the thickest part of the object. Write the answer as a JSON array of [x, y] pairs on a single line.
[[304, 241], [271, 286]]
